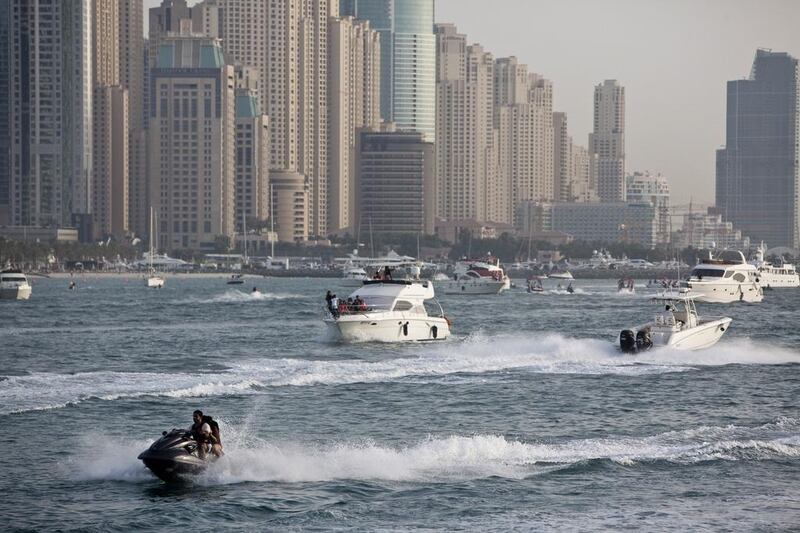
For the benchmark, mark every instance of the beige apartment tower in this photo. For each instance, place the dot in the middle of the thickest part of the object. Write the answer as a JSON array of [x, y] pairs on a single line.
[[354, 104], [252, 161], [191, 139], [607, 141], [466, 141]]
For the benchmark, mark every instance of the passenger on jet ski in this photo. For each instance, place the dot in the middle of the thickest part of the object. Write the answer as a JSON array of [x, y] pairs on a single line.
[[205, 431]]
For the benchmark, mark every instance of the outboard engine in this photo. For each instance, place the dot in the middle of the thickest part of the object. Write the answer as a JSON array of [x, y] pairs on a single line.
[[643, 340], [627, 341]]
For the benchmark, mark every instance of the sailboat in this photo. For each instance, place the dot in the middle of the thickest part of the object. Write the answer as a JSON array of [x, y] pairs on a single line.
[[152, 281]]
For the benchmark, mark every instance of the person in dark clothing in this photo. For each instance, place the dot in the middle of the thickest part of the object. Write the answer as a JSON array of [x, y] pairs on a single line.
[[205, 431], [328, 298], [387, 273]]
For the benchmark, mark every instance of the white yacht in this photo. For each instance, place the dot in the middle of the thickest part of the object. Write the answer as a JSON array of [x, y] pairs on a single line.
[[678, 326], [354, 276], [562, 275], [236, 279], [772, 276], [726, 277], [479, 276], [389, 311], [14, 285]]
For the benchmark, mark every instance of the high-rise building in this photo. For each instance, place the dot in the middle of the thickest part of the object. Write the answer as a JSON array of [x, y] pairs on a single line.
[[408, 59], [5, 112], [191, 140], [50, 118], [109, 125], [758, 175], [396, 191], [643, 187], [607, 141], [354, 103], [562, 158], [524, 119], [581, 188], [252, 151], [132, 78], [466, 154]]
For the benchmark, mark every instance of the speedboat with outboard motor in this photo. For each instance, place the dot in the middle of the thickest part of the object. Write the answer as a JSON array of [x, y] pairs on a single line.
[[678, 326], [175, 456]]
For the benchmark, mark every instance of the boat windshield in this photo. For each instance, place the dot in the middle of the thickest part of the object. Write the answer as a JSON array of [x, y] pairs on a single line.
[[707, 273], [12, 278]]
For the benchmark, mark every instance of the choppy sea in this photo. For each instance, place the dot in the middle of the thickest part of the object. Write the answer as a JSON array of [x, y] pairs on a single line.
[[528, 418]]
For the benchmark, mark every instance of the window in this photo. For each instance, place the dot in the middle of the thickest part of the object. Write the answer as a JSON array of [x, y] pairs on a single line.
[[402, 305]]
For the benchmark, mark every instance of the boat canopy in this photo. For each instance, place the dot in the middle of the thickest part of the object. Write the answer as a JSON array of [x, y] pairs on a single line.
[[373, 290]]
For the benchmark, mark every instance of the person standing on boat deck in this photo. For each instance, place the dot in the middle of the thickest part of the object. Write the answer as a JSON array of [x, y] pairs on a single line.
[[334, 306], [328, 298]]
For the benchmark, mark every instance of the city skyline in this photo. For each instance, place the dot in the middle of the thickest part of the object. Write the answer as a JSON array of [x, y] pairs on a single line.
[[578, 44]]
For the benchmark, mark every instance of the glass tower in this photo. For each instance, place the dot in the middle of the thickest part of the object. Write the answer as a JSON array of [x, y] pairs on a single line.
[[758, 180], [408, 59]]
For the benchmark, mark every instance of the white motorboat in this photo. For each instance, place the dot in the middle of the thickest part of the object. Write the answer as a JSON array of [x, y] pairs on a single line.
[[562, 275], [153, 281], [678, 326], [774, 276], [724, 278], [535, 284], [354, 276], [626, 286], [479, 276], [389, 311], [14, 285]]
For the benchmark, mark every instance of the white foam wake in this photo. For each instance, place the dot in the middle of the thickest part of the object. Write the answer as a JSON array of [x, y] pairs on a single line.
[[547, 353], [455, 457], [236, 297]]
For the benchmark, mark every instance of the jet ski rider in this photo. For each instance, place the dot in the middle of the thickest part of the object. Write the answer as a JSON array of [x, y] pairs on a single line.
[[205, 431]]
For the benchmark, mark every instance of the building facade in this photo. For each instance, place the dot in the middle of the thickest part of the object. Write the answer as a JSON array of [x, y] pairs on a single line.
[[705, 231], [191, 143], [395, 185], [466, 141], [607, 141], [758, 174], [408, 59], [643, 187], [354, 104], [252, 161], [5, 112]]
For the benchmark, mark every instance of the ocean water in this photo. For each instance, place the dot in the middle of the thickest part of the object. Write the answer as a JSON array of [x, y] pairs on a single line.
[[527, 418]]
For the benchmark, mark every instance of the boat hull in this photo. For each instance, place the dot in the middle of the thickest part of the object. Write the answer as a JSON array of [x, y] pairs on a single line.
[[722, 293], [777, 281], [473, 287], [154, 282], [15, 293], [363, 328], [699, 337]]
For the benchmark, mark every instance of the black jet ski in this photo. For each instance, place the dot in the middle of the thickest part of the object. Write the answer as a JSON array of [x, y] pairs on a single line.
[[174, 456]]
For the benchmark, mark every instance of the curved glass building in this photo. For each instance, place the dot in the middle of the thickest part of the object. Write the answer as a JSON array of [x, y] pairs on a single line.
[[408, 59]]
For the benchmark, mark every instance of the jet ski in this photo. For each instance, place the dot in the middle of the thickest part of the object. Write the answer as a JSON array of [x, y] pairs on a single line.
[[174, 456]]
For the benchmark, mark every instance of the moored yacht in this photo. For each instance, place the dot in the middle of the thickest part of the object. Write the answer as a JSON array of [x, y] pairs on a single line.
[[678, 326], [389, 311], [726, 277], [772, 276], [14, 285], [354, 276]]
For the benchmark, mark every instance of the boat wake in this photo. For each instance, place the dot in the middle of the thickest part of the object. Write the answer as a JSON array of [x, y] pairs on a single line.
[[474, 357], [233, 296], [452, 458]]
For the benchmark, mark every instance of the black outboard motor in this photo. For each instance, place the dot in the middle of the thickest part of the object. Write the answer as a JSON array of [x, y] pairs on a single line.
[[643, 340], [627, 341], [174, 456]]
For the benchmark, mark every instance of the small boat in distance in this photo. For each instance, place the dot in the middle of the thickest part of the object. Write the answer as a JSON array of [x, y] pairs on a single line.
[[562, 275], [153, 281], [354, 276], [626, 286], [236, 279], [771, 276], [14, 285], [678, 326], [477, 276], [388, 311]]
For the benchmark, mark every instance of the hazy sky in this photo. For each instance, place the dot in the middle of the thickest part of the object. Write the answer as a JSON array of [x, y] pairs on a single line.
[[672, 56]]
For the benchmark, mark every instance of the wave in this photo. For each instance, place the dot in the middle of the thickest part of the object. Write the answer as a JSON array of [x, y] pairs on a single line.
[[476, 356], [448, 458], [236, 296]]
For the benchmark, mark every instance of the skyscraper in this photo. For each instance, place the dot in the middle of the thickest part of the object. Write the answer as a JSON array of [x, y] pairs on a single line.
[[562, 158], [466, 155], [5, 112], [354, 103], [191, 142], [607, 141], [50, 101], [408, 59], [758, 176]]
